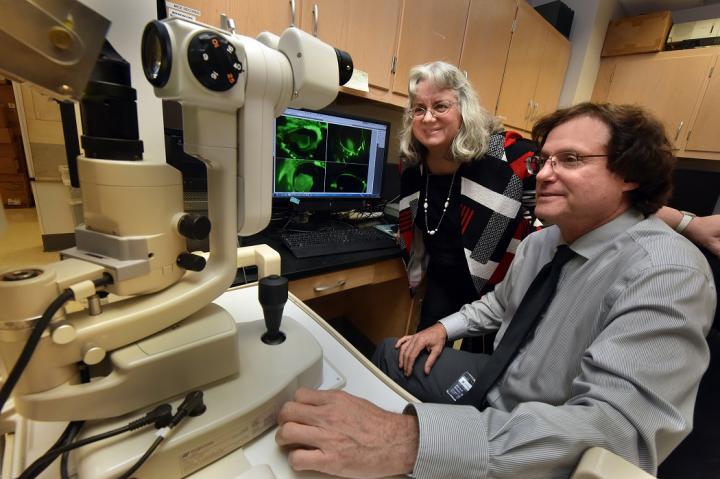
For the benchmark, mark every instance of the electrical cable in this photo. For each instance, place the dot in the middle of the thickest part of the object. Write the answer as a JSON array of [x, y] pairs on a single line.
[[144, 458], [68, 435], [161, 416], [191, 406], [35, 336], [74, 426], [31, 344]]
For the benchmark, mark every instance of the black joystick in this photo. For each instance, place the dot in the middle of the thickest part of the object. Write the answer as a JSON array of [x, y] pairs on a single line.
[[273, 293]]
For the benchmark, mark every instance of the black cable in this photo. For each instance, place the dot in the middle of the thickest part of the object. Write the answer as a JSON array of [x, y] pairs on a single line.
[[70, 432], [192, 406], [31, 344], [74, 426], [144, 458], [35, 336], [64, 459], [161, 416]]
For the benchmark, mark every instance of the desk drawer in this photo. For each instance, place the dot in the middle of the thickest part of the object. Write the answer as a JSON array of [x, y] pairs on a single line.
[[338, 281], [331, 283]]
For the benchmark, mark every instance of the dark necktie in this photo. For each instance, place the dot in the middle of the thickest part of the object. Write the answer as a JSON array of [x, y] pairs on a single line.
[[531, 308]]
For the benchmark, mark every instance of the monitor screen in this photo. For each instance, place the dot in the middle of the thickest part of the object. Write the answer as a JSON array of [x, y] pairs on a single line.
[[328, 161]]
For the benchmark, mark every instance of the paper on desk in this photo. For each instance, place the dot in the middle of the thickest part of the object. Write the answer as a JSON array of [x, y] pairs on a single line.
[[358, 81]]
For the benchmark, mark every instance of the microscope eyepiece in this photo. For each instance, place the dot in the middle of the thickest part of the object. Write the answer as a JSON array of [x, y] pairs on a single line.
[[345, 66], [156, 53]]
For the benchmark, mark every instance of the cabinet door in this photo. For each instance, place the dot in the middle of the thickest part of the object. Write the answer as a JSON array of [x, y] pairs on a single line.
[[251, 17], [367, 29], [666, 86], [430, 30], [485, 48], [523, 67], [556, 56], [704, 134]]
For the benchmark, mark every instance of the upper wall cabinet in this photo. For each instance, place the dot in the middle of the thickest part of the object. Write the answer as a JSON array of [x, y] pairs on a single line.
[[535, 69], [703, 136], [485, 48], [679, 87], [430, 30], [367, 29], [514, 58], [251, 16]]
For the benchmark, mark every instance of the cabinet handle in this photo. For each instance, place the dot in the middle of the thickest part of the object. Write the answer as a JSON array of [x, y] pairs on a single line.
[[316, 18], [528, 110], [292, 13], [536, 106], [320, 289], [677, 133]]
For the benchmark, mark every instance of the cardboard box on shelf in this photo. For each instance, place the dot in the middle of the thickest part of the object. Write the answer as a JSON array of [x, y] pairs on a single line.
[[15, 190], [640, 34]]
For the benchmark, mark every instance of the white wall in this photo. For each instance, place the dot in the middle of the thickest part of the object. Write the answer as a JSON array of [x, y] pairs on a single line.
[[699, 13], [129, 18]]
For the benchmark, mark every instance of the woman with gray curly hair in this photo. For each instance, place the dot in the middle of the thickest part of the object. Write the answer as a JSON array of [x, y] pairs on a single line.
[[465, 192]]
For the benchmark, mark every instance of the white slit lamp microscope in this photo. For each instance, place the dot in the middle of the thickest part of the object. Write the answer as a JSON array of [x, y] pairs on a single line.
[[163, 337]]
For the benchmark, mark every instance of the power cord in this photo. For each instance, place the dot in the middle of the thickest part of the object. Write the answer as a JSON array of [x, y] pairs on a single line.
[[191, 406], [161, 416], [35, 336]]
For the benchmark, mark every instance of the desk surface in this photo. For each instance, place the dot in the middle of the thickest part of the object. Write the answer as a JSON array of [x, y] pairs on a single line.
[[361, 380], [294, 268]]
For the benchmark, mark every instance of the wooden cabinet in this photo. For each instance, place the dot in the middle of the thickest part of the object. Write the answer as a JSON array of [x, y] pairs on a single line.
[[667, 87], [535, 69], [430, 30], [703, 135], [515, 59], [251, 17], [679, 87], [367, 29], [485, 47]]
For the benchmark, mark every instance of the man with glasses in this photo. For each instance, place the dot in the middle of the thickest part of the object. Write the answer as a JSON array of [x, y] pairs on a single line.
[[613, 358]]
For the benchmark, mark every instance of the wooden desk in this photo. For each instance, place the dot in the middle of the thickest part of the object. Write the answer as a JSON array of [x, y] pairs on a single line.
[[369, 288], [374, 297]]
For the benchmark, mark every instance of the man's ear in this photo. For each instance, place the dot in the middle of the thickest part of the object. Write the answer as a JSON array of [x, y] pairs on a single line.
[[630, 185]]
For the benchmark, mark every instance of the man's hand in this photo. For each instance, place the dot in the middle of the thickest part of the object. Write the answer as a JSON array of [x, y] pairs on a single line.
[[431, 339], [705, 231], [340, 434]]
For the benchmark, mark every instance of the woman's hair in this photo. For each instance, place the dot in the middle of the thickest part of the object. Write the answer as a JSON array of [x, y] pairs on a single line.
[[477, 124], [638, 150]]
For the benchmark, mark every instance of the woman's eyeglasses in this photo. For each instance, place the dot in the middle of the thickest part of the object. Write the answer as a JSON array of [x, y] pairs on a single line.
[[438, 109]]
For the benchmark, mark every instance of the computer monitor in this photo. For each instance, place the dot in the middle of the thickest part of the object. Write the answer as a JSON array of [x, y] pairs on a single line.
[[328, 161]]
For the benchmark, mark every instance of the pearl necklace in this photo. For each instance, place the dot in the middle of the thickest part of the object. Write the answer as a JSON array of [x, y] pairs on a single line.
[[431, 232]]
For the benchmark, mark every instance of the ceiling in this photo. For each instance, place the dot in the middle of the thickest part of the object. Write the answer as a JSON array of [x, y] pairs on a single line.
[[638, 7]]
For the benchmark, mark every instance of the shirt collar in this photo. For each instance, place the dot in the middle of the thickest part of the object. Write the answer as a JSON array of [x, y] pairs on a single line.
[[594, 242]]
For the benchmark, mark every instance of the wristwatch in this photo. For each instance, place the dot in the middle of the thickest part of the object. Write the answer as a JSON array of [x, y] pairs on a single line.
[[686, 219]]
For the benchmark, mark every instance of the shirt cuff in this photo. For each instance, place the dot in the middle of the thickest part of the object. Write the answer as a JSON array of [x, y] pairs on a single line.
[[452, 442], [455, 325]]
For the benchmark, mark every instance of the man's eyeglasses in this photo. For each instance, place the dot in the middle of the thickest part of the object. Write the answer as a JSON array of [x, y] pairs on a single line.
[[438, 109], [566, 160]]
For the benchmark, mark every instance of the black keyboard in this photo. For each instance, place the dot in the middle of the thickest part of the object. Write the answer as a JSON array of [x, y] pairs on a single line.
[[307, 244]]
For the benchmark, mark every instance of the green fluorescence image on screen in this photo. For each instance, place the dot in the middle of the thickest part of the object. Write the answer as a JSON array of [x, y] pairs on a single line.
[[300, 176], [349, 144], [300, 138]]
